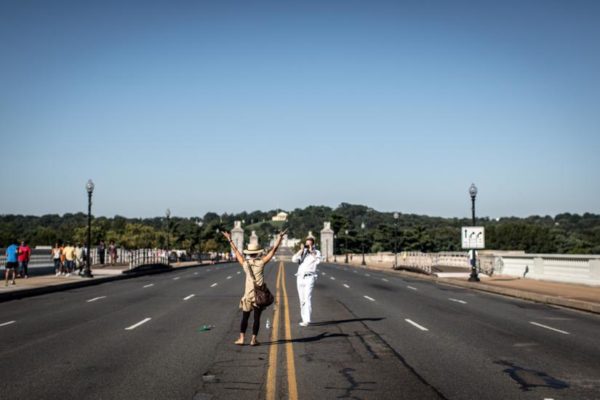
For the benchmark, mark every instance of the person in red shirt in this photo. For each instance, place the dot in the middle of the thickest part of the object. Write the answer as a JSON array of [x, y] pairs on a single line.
[[24, 256]]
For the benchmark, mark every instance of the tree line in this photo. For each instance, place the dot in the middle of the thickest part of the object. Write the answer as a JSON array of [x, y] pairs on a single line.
[[563, 233]]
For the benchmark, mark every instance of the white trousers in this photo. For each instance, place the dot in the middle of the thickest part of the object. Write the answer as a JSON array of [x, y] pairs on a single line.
[[305, 287]]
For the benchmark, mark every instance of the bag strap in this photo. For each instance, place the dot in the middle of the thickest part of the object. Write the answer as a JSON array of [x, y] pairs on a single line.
[[251, 273]]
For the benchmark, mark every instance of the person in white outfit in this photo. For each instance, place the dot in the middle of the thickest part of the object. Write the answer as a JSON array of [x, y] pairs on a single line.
[[308, 258]]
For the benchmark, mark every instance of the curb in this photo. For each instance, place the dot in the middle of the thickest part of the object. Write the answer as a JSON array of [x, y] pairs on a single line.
[[20, 294], [516, 293]]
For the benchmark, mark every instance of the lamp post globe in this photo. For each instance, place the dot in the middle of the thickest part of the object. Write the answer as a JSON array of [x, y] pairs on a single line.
[[87, 272], [362, 227]]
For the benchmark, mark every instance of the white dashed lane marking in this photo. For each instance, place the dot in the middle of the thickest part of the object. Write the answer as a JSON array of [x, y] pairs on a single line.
[[346, 286], [332, 278], [457, 301], [416, 325], [549, 327], [369, 298], [152, 284], [385, 280], [129, 328], [412, 288], [96, 298], [177, 277], [238, 272], [214, 284], [189, 297], [7, 323], [229, 277]]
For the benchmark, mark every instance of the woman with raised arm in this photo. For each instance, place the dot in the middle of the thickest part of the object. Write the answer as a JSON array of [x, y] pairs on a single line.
[[257, 266]]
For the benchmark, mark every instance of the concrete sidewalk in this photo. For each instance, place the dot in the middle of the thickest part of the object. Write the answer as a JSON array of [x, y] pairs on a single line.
[[42, 284], [579, 297]]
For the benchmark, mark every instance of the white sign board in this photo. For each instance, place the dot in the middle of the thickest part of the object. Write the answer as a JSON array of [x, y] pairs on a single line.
[[473, 237]]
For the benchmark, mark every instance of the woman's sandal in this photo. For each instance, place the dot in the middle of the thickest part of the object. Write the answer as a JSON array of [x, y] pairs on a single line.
[[255, 343], [239, 342]]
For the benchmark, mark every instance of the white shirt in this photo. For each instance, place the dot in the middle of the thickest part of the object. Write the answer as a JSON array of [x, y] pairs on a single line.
[[309, 265]]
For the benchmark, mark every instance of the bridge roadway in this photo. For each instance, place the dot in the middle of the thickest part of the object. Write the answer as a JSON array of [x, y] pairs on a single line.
[[376, 336]]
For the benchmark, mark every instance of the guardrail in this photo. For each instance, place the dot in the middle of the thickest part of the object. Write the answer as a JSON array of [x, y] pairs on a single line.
[[133, 258]]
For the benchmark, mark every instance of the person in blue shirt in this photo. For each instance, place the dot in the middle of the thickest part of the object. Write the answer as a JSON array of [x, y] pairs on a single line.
[[12, 262]]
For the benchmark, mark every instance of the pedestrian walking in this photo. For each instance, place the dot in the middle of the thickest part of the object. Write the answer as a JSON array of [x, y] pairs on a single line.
[[112, 252], [56, 254], [12, 262], [79, 258], [254, 267], [307, 258], [101, 250], [69, 254], [24, 257]]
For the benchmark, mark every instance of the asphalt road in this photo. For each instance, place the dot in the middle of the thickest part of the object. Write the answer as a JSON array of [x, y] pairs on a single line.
[[375, 336]]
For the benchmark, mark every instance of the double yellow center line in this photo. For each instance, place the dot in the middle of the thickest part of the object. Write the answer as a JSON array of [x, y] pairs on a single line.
[[292, 386]]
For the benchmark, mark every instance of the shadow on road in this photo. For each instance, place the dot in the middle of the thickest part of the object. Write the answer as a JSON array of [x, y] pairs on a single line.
[[344, 321], [321, 336]]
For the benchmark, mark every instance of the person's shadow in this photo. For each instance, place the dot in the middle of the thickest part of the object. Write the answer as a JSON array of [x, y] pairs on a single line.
[[324, 335], [344, 321], [309, 339]]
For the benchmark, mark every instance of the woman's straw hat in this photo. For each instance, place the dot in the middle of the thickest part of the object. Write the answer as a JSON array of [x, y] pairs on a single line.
[[253, 249]]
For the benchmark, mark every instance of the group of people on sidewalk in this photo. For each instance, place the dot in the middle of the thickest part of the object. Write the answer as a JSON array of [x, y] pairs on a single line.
[[17, 261], [308, 257], [68, 258]]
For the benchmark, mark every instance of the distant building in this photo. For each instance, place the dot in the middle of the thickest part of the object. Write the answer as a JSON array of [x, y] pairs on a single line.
[[280, 217]]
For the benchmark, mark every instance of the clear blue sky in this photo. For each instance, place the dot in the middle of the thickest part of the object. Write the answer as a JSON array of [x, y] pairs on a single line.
[[228, 106]]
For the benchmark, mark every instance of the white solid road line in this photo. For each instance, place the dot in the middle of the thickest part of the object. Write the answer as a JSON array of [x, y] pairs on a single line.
[[457, 301], [412, 288], [369, 298], [549, 327], [229, 277], [416, 325], [96, 298], [138, 324], [214, 284], [152, 284], [346, 286], [7, 323], [189, 297]]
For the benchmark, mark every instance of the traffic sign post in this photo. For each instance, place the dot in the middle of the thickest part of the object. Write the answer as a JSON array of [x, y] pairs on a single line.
[[473, 238]]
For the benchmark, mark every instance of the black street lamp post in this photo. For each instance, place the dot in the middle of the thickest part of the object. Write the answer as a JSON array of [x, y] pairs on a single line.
[[168, 217], [200, 224], [474, 275], [346, 245], [87, 273], [362, 227], [396, 216], [334, 253]]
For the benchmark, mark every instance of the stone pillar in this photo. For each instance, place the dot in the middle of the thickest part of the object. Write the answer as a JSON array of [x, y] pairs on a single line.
[[327, 241], [237, 235], [254, 238]]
